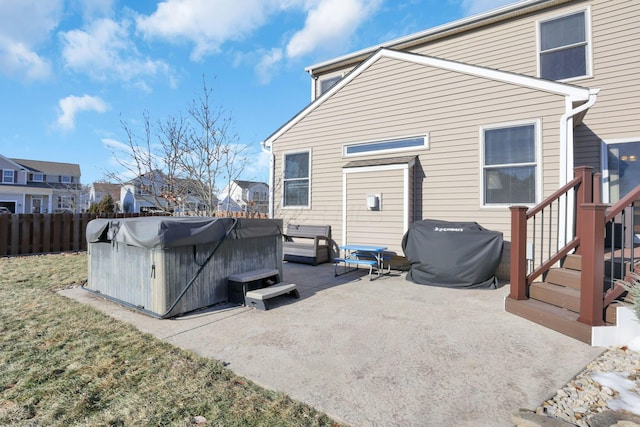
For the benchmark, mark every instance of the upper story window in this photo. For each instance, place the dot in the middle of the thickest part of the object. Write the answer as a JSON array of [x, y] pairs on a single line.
[[328, 83], [386, 146], [564, 47], [297, 179], [37, 177], [8, 176], [510, 164], [65, 179]]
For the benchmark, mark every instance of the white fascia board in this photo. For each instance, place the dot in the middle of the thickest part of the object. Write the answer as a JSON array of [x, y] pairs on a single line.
[[574, 93], [431, 31]]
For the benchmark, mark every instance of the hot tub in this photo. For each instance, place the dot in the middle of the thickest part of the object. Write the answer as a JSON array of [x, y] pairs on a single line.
[[166, 266]]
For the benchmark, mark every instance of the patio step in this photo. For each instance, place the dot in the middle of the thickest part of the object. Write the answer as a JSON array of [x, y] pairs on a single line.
[[259, 298], [552, 317], [573, 262], [559, 296], [564, 277]]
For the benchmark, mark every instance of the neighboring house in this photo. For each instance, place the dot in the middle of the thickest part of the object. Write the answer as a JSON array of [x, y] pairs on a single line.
[[153, 191], [461, 121], [245, 196], [100, 190], [34, 186]]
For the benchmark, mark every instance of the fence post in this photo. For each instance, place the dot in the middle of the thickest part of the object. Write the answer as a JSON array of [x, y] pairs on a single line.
[[592, 277], [518, 267]]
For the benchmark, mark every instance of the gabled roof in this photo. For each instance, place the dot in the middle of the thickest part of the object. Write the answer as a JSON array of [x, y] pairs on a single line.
[[19, 166], [576, 94], [105, 188], [49, 168]]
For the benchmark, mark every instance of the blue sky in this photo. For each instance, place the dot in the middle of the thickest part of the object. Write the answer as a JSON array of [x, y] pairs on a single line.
[[71, 70]]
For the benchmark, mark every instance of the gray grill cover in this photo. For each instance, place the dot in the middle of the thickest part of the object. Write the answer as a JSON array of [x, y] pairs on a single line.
[[161, 232], [452, 254]]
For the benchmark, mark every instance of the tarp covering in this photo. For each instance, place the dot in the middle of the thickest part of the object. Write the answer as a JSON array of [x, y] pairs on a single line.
[[158, 232], [452, 254]]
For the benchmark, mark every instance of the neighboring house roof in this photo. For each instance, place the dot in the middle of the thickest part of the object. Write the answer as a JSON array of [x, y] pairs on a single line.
[[228, 204], [576, 94], [50, 168], [446, 30], [247, 184], [19, 166], [105, 188]]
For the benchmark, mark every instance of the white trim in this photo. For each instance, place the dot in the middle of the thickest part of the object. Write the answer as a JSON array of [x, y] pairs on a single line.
[[405, 190], [284, 154], [33, 174], [604, 162], [424, 146], [575, 93], [13, 176], [64, 177], [537, 129], [588, 41]]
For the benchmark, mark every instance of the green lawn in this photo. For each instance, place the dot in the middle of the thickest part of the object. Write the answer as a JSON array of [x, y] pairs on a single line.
[[62, 363]]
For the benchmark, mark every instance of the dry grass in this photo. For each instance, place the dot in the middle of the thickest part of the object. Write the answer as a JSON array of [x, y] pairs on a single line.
[[67, 364]]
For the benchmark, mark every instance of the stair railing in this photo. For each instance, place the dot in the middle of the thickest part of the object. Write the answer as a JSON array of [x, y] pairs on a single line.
[[543, 235]]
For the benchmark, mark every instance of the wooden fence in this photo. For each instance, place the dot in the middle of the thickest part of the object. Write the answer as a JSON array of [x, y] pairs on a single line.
[[23, 234]]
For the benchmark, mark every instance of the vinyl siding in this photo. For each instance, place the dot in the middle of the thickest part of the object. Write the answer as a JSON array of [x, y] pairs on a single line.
[[511, 46], [398, 99]]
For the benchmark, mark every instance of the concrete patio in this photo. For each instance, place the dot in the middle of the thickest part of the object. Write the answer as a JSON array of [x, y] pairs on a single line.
[[382, 352]]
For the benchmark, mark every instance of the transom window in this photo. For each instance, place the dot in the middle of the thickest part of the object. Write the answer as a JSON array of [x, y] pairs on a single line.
[[297, 176], [509, 164], [386, 146], [8, 176], [564, 47]]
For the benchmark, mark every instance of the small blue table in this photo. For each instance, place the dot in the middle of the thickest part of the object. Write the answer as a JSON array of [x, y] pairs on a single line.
[[368, 255]]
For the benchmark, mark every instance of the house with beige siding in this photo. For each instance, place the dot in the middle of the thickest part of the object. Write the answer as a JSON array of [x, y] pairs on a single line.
[[462, 121]]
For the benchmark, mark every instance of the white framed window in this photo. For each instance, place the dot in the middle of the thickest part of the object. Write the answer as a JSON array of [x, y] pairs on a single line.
[[65, 179], [564, 48], [620, 167], [386, 146], [510, 164], [37, 177], [297, 179], [328, 83], [8, 176]]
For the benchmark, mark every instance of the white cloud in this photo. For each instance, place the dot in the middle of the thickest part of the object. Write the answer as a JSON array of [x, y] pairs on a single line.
[[264, 69], [330, 23], [472, 7], [71, 105], [104, 51], [206, 23], [24, 25]]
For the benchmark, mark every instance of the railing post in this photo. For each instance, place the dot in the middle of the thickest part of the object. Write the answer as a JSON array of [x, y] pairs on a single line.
[[592, 278], [518, 267], [584, 194]]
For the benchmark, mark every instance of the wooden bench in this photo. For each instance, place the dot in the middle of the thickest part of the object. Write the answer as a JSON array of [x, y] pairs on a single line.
[[258, 298], [307, 244]]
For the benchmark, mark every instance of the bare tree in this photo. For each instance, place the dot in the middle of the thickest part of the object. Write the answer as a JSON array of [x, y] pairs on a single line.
[[212, 156], [183, 159]]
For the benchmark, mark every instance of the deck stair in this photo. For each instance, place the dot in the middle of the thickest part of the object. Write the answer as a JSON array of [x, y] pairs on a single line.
[[555, 302]]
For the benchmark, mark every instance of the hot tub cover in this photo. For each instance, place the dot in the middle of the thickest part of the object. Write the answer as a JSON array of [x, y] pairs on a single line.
[[452, 254], [158, 232]]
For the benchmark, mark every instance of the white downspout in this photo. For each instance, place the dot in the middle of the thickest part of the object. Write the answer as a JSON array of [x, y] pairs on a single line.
[[567, 159], [267, 148]]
